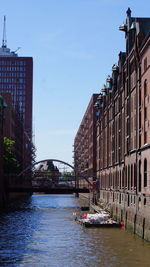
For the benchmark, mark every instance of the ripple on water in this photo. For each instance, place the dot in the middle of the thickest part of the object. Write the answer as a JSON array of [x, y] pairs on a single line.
[[42, 232]]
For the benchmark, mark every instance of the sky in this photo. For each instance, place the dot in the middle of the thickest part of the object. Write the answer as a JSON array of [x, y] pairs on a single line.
[[74, 44]]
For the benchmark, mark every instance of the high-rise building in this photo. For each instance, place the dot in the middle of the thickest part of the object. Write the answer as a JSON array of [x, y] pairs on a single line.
[[16, 78], [2, 195]]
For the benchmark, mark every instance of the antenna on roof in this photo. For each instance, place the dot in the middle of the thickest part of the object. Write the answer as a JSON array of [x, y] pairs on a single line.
[[4, 41], [17, 49]]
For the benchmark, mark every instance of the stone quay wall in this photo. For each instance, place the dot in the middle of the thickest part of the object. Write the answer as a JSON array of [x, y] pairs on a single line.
[[129, 208]]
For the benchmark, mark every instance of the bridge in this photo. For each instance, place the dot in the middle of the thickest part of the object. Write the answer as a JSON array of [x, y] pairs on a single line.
[[48, 177], [47, 190]]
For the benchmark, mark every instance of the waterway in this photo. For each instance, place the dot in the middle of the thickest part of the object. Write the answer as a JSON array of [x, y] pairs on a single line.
[[42, 232]]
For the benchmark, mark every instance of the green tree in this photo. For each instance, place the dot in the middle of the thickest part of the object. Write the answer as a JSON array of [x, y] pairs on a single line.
[[67, 175], [11, 164]]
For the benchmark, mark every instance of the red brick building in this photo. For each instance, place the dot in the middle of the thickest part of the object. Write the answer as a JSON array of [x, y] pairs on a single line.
[[16, 78], [85, 143], [120, 132], [123, 131], [13, 128], [2, 194]]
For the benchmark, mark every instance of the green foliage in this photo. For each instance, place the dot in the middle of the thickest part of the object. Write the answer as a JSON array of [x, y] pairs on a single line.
[[67, 175], [10, 162]]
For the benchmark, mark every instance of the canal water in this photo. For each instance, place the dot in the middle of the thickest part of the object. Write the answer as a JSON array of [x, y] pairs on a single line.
[[42, 232]]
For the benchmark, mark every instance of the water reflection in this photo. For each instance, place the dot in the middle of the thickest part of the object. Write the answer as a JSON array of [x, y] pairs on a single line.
[[42, 232]]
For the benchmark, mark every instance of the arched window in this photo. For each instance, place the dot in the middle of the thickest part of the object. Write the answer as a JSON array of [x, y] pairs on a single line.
[[139, 176], [106, 177], [109, 180], [120, 198], [120, 183], [129, 184], [116, 180], [145, 172], [135, 176], [145, 88], [113, 178], [131, 177], [102, 182], [117, 176], [123, 178], [126, 177]]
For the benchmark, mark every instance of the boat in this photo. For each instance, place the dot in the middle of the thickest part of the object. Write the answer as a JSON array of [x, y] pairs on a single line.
[[98, 220], [101, 224]]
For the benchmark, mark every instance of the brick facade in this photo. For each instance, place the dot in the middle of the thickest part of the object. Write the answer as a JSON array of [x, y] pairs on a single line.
[[2, 193], [123, 131], [124, 121], [16, 78], [85, 143]]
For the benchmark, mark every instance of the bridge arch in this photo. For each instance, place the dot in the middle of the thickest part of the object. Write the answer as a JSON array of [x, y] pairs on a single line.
[[43, 160], [56, 160], [60, 161]]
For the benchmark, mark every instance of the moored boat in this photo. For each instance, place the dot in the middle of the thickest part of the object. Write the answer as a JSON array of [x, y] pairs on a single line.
[[101, 224], [98, 220]]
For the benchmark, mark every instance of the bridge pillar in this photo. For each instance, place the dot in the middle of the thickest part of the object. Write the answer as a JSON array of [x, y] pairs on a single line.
[[76, 194]]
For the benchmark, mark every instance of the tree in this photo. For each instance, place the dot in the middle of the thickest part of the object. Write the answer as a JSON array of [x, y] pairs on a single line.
[[67, 175], [11, 164]]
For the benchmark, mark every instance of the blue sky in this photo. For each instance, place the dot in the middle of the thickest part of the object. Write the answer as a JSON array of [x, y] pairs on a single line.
[[74, 44]]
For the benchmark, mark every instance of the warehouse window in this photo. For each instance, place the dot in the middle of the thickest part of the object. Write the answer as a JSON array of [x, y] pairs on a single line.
[[145, 88], [145, 172]]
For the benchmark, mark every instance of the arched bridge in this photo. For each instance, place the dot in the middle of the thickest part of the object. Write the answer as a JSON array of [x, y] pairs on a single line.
[[51, 180], [44, 160]]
